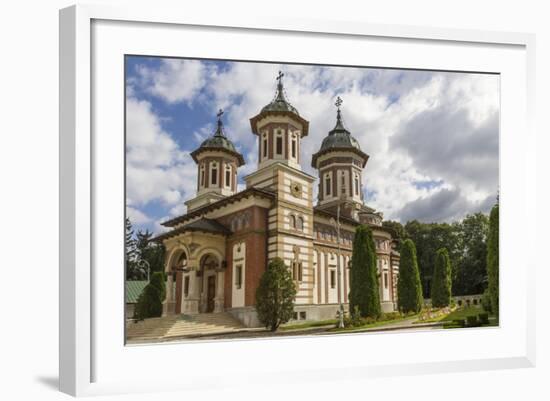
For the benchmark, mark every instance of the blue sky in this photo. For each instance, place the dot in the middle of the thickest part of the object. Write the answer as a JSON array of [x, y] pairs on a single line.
[[432, 137]]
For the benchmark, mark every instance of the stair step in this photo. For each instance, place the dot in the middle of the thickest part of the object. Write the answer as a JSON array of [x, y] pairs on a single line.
[[183, 325]]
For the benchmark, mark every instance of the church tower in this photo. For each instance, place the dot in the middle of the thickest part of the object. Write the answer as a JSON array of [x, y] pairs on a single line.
[[280, 129], [217, 163], [340, 162]]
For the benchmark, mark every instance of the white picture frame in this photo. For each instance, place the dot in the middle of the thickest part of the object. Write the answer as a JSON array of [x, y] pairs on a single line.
[[83, 349]]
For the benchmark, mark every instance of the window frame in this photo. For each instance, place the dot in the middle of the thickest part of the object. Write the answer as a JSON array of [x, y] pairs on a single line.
[[328, 184], [214, 174], [227, 175], [238, 276]]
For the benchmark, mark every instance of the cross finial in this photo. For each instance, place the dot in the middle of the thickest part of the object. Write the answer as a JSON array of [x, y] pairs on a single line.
[[220, 114], [280, 76], [339, 102]]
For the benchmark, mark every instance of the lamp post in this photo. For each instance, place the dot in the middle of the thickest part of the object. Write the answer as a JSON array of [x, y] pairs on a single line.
[[338, 264], [143, 264]]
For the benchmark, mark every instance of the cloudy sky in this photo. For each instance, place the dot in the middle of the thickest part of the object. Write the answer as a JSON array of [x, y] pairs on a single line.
[[432, 137]]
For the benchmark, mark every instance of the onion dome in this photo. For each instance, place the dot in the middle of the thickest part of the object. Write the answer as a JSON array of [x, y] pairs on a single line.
[[280, 106], [218, 142], [279, 103], [339, 139]]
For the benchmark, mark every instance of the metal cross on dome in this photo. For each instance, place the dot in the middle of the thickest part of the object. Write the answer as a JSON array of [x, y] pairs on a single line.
[[280, 76], [220, 113], [339, 102]]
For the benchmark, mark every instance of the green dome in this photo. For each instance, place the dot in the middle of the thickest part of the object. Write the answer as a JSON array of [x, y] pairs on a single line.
[[218, 142], [279, 103], [339, 139]]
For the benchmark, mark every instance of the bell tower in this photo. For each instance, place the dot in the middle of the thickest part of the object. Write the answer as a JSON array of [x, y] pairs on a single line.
[[280, 129], [340, 162], [217, 163]]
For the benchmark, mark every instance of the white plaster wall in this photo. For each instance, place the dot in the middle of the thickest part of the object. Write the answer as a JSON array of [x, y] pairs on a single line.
[[239, 258], [332, 292]]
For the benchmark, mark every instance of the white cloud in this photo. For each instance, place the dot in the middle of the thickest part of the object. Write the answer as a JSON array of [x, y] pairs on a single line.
[[137, 216], [402, 119], [157, 169], [175, 81]]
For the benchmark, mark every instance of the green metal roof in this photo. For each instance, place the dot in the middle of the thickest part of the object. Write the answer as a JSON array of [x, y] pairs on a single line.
[[279, 103], [338, 139], [218, 142], [133, 290]]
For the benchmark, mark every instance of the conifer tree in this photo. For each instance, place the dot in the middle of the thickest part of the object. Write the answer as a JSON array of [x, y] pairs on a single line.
[[364, 293], [409, 288], [130, 250], [441, 279], [149, 303], [492, 259]]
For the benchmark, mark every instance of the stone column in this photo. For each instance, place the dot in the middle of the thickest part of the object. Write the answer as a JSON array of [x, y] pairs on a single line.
[[191, 303], [168, 301], [219, 299]]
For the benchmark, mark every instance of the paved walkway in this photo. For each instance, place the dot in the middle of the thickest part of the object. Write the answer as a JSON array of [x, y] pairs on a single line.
[[251, 333]]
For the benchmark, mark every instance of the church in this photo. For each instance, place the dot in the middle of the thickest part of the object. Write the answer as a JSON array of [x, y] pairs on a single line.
[[217, 251]]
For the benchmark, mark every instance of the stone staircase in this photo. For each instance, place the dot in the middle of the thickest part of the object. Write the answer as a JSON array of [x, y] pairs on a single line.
[[150, 329], [189, 326]]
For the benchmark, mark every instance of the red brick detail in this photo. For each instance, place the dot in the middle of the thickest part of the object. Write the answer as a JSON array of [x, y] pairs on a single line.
[[255, 238]]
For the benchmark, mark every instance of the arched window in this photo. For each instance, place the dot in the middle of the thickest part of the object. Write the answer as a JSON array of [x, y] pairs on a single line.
[[214, 174], [228, 175], [202, 175], [327, 185], [239, 223], [300, 223], [279, 142], [292, 221], [182, 261], [264, 145], [294, 145], [357, 184]]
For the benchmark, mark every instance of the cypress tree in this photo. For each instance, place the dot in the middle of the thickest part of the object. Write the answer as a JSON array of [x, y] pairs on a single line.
[[492, 259], [409, 288], [441, 279], [364, 293]]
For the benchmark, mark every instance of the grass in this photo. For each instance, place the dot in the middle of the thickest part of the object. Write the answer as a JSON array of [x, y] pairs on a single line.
[[309, 325], [462, 313], [379, 323]]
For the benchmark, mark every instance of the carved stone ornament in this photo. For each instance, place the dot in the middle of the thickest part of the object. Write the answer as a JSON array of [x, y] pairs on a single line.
[[296, 189], [193, 247]]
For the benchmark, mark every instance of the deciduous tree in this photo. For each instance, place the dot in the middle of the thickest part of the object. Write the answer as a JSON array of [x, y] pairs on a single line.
[[492, 259], [275, 295]]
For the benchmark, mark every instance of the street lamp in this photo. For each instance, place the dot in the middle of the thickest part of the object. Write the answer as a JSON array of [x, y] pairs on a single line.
[[143, 264], [338, 264]]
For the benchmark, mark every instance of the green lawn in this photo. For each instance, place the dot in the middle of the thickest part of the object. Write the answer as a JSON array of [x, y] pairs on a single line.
[[462, 313]]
